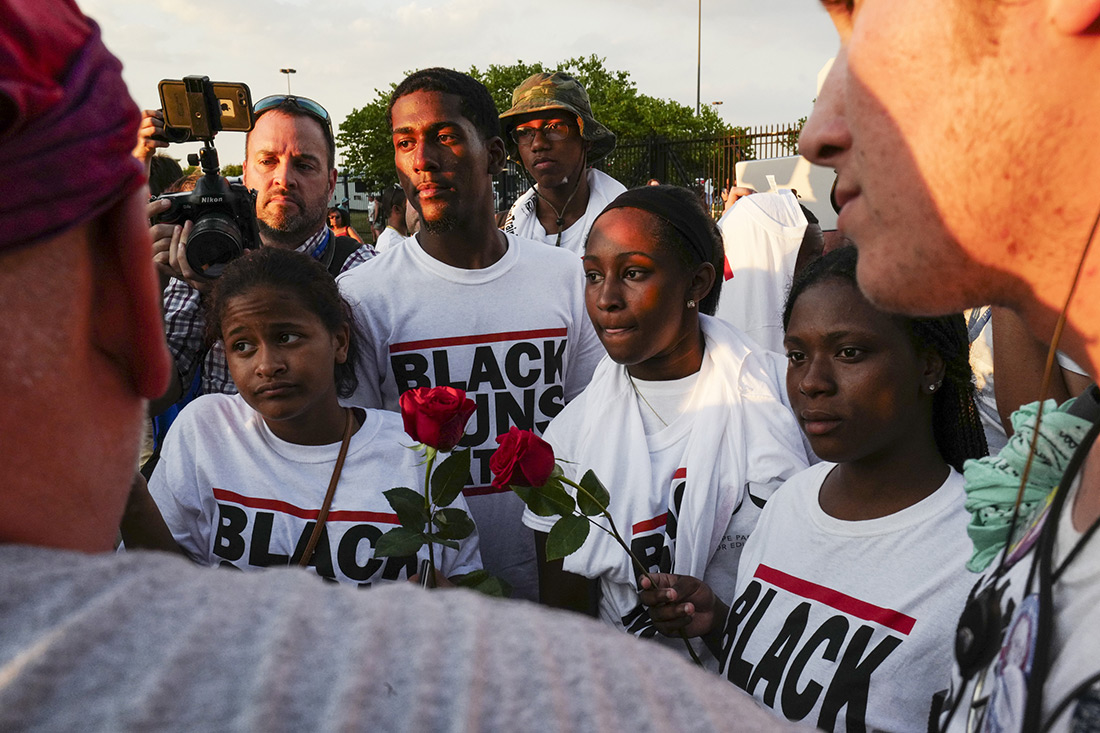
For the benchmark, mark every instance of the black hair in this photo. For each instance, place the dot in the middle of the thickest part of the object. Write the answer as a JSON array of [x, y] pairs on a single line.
[[392, 198], [163, 171], [341, 213], [474, 99], [667, 236], [657, 199], [955, 422], [290, 108], [288, 272], [183, 183]]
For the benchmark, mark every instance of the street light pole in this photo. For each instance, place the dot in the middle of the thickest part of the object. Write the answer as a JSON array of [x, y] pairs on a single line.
[[288, 72], [699, 62]]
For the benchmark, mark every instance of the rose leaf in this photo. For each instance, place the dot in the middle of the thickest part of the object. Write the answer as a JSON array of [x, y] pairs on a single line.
[[600, 498], [453, 524], [409, 506], [550, 500], [566, 537], [449, 477], [399, 542]]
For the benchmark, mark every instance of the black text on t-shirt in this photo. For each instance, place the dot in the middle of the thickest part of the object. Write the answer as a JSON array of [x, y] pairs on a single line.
[[856, 639]]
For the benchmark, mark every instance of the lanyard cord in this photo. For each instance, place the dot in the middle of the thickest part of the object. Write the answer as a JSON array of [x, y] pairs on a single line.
[[1047, 577], [560, 215], [1065, 701], [1044, 553]]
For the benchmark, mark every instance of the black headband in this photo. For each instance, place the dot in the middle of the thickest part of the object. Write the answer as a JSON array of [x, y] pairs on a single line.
[[692, 225]]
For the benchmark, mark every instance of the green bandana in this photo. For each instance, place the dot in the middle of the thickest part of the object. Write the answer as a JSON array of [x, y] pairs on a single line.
[[993, 482]]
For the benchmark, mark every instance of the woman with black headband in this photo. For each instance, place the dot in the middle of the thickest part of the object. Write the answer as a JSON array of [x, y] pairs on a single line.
[[683, 422]]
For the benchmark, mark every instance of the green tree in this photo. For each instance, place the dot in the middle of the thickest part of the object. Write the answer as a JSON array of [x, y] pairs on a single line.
[[364, 137], [231, 169]]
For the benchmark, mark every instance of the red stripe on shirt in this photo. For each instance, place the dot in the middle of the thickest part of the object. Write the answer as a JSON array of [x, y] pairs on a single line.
[[484, 490], [649, 524], [728, 274], [680, 473], [844, 603], [283, 507], [485, 338]]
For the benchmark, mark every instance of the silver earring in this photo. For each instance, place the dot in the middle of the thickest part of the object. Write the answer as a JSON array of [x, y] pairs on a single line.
[[933, 387], [691, 304]]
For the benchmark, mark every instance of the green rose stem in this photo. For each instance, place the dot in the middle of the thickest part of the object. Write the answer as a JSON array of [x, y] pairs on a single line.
[[427, 579], [614, 533]]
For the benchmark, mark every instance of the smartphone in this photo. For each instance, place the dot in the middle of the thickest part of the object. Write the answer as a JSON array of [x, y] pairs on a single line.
[[204, 108]]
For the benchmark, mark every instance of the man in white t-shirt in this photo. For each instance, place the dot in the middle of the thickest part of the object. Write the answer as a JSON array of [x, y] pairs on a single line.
[[393, 212], [467, 305], [956, 128], [551, 131]]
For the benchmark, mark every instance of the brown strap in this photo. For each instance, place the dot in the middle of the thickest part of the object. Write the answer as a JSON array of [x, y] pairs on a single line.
[[322, 516]]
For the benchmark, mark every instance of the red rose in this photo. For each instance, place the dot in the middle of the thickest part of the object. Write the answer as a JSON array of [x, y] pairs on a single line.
[[523, 459], [437, 416]]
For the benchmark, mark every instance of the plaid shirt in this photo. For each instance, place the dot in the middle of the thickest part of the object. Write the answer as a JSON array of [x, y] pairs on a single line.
[[184, 324]]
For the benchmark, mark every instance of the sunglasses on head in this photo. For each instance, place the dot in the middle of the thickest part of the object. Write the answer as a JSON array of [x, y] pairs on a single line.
[[308, 106], [552, 131]]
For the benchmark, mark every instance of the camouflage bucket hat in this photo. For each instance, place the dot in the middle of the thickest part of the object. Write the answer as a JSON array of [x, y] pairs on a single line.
[[544, 91]]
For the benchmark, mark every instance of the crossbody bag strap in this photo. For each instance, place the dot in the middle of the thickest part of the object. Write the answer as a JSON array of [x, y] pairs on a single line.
[[322, 516]]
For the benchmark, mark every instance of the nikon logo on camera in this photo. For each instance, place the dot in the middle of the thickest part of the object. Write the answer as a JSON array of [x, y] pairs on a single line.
[[211, 199]]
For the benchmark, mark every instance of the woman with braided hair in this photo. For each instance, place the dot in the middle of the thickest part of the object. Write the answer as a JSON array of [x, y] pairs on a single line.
[[850, 586]]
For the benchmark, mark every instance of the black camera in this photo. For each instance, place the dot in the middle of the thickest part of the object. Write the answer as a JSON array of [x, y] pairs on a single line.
[[224, 216], [224, 213]]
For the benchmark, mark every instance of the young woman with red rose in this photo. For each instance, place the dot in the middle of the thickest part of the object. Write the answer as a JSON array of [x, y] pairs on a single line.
[[683, 422], [243, 477]]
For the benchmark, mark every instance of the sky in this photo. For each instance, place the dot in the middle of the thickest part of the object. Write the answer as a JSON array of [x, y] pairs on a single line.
[[760, 58]]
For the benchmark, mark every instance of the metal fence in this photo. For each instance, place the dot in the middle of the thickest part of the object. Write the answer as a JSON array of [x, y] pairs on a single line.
[[706, 164]]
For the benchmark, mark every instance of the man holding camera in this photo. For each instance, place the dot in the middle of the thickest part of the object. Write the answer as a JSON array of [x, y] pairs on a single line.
[[290, 162]]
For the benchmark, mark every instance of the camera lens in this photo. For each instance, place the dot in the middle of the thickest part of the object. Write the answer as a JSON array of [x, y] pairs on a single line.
[[215, 240], [173, 135]]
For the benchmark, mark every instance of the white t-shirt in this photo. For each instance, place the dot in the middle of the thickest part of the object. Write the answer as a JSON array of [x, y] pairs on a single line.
[[663, 402], [389, 238], [522, 220], [234, 494], [849, 625], [762, 234], [686, 497], [1074, 652], [514, 335]]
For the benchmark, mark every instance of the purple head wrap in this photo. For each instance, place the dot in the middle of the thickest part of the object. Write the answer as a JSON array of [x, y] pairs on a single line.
[[67, 123]]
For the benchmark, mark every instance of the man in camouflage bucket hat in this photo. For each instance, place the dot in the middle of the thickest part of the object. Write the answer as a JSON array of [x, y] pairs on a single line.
[[551, 130]]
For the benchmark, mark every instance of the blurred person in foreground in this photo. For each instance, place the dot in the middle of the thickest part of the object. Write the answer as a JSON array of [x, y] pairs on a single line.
[[95, 640], [926, 116]]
